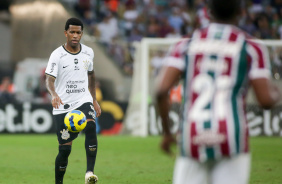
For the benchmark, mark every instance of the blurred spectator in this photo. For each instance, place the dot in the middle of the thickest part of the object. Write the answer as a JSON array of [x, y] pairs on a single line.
[[186, 17], [161, 2], [117, 52], [263, 25], [202, 17], [173, 34], [107, 30], [82, 6], [135, 35], [249, 26], [135, 19], [6, 91], [256, 7], [151, 8], [153, 27], [112, 5], [130, 15], [165, 28], [89, 20], [175, 20]]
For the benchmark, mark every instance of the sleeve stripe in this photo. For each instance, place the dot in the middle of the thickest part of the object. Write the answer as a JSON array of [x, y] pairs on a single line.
[[50, 75]]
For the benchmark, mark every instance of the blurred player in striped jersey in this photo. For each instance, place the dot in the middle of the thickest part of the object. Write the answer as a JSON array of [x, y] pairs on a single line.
[[219, 63]]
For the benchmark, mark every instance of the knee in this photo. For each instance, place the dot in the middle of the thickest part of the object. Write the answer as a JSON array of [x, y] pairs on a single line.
[[90, 127], [65, 150]]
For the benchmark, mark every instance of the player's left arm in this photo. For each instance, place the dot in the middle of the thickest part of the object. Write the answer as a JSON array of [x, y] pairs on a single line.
[[92, 89]]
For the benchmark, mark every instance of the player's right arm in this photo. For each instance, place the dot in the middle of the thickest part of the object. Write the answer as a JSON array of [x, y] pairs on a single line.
[[51, 74], [50, 85]]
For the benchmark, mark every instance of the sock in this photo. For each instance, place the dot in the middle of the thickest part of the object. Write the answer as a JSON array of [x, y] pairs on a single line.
[[61, 163], [90, 145]]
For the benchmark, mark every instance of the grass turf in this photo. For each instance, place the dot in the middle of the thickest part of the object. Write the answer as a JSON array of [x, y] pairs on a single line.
[[29, 159]]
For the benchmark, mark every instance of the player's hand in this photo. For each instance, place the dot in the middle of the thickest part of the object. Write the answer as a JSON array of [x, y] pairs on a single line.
[[97, 108], [167, 142], [56, 101]]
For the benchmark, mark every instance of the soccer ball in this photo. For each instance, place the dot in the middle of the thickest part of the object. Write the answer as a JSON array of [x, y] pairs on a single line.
[[75, 121]]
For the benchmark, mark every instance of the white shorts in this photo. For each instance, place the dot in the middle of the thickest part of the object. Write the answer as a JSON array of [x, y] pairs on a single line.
[[235, 170]]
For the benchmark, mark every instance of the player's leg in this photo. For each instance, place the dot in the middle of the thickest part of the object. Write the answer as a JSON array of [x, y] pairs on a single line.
[[61, 162], [189, 171], [91, 143], [234, 170], [91, 151], [65, 139]]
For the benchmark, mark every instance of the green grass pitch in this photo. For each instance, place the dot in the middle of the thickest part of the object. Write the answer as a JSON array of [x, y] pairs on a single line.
[[29, 159]]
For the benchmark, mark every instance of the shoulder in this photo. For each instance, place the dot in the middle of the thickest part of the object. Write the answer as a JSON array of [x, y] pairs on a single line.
[[178, 48], [87, 50], [58, 51]]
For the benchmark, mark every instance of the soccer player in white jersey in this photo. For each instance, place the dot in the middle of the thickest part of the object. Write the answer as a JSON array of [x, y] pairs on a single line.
[[218, 64], [70, 79]]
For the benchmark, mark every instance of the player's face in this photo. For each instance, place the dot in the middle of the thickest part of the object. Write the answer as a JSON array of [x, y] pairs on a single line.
[[73, 35]]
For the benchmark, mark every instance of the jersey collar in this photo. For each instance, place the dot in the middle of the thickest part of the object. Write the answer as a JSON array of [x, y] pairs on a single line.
[[72, 52]]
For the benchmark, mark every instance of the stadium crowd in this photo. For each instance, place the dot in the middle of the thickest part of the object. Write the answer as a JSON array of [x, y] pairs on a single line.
[[118, 23]]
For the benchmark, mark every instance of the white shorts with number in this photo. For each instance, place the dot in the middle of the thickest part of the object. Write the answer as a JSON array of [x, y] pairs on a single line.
[[234, 170]]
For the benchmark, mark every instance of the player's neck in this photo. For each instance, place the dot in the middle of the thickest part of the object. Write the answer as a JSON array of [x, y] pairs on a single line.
[[230, 22], [72, 49]]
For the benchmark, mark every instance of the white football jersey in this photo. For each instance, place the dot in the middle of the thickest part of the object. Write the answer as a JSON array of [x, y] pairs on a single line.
[[71, 73]]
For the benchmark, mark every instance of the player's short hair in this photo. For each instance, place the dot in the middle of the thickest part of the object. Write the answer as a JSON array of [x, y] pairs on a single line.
[[224, 9], [73, 21]]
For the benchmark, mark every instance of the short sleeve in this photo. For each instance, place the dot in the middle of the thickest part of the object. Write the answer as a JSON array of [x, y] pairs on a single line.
[[52, 66], [91, 64], [259, 61], [175, 57]]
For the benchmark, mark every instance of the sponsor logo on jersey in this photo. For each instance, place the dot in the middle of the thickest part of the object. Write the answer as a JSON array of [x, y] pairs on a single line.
[[86, 53], [53, 66], [63, 55], [74, 103], [209, 138], [75, 90]]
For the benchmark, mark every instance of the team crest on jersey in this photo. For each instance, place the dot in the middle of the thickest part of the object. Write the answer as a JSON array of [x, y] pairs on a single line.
[[76, 62], [65, 134], [86, 64]]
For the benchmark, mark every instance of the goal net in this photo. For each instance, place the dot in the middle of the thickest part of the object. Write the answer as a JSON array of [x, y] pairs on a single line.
[[141, 117]]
